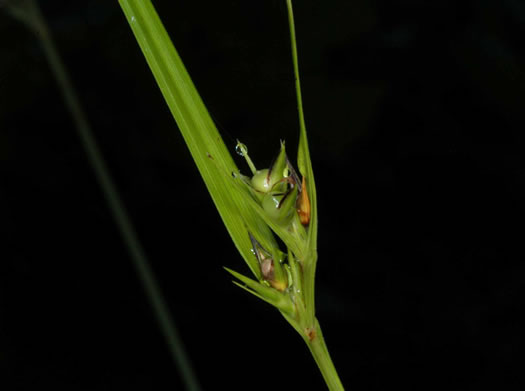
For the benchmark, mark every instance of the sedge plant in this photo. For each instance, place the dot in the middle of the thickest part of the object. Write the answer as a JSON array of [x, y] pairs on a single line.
[[276, 201]]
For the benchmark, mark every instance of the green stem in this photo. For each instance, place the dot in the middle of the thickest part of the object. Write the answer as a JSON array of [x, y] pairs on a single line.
[[319, 351], [314, 338], [29, 13], [310, 262], [291, 23]]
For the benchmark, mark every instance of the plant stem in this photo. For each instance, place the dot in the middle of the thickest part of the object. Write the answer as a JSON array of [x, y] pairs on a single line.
[[314, 339], [309, 262], [320, 353], [29, 13], [296, 66]]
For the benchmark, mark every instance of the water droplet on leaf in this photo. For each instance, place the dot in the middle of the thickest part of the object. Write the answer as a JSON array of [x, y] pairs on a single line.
[[241, 149]]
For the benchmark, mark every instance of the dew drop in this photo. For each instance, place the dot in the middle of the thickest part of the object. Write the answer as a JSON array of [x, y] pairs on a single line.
[[241, 149]]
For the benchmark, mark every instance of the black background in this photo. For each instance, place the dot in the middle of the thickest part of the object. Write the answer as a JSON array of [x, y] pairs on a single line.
[[415, 112]]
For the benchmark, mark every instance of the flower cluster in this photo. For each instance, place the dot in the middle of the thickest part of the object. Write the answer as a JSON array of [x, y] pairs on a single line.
[[284, 199]]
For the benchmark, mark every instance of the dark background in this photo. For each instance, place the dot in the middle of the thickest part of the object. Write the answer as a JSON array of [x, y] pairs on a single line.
[[415, 112]]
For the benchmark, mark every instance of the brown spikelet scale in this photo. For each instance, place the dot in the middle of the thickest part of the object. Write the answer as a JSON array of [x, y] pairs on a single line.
[[303, 204]]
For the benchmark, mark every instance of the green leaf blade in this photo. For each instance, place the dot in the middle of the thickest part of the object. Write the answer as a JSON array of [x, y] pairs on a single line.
[[206, 146]]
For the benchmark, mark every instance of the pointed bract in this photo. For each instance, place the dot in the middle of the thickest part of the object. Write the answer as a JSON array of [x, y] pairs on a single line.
[[278, 299]]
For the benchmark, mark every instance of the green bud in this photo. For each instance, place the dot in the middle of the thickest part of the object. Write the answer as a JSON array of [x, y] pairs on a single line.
[[276, 187], [265, 180], [280, 207], [270, 266], [261, 181]]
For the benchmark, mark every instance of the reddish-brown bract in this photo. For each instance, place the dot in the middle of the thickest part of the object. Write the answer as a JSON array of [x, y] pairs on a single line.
[[303, 204]]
